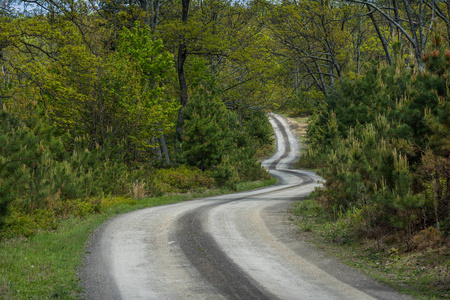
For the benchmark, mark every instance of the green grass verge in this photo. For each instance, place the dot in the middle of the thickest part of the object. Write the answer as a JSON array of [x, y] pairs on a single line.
[[423, 274], [45, 265]]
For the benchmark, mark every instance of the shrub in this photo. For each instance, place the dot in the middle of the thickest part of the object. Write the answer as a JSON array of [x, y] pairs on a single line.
[[27, 224], [181, 179], [226, 174]]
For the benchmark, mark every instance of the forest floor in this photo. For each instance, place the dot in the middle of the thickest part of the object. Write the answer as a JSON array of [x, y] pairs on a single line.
[[422, 272]]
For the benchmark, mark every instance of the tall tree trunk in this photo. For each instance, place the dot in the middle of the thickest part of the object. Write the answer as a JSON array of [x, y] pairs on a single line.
[[422, 39], [154, 15], [145, 6], [296, 77], [182, 55], [397, 18]]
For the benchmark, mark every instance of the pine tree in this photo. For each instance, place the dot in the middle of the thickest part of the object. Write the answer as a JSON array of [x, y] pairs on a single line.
[[206, 132], [19, 153]]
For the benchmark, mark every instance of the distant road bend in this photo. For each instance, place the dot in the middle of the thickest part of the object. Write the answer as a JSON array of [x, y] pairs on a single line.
[[238, 246]]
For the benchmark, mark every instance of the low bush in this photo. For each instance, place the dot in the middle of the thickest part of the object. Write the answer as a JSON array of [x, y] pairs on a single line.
[[181, 179], [27, 224]]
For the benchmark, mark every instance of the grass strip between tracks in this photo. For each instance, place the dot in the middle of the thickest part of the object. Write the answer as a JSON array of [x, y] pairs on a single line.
[[45, 266]]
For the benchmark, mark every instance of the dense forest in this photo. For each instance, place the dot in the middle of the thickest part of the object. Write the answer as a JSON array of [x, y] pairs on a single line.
[[130, 97]]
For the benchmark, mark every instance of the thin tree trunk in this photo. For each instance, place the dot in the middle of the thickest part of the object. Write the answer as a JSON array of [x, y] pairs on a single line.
[[358, 47], [416, 44], [398, 21], [422, 39], [156, 148], [322, 79], [448, 23], [162, 143], [447, 196], [316, 81], [384, 43]]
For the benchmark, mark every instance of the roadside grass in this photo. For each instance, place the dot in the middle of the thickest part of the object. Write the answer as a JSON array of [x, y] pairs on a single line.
[[44, 266], [421, 273]]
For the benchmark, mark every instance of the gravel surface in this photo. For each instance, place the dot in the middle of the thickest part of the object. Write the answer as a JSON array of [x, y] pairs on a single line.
[[237, 246]]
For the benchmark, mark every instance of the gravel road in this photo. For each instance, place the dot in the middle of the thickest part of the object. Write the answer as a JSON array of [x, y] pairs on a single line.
[[237, 246]]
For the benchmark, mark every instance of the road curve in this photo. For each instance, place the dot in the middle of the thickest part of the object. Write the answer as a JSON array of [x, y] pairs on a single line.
[[238, 246]]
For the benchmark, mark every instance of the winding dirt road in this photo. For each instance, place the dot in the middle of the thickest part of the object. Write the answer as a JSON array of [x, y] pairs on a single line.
[[238, 246]]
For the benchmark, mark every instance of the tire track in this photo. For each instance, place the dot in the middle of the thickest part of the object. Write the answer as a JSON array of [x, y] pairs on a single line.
[[214, 265], [207, 257], [285, 139]]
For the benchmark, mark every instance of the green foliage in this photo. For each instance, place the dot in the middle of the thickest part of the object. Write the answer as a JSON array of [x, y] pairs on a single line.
[[226, 173], [108, 98], [154, 66], [20, 151], [383, 143], [248, 167]]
